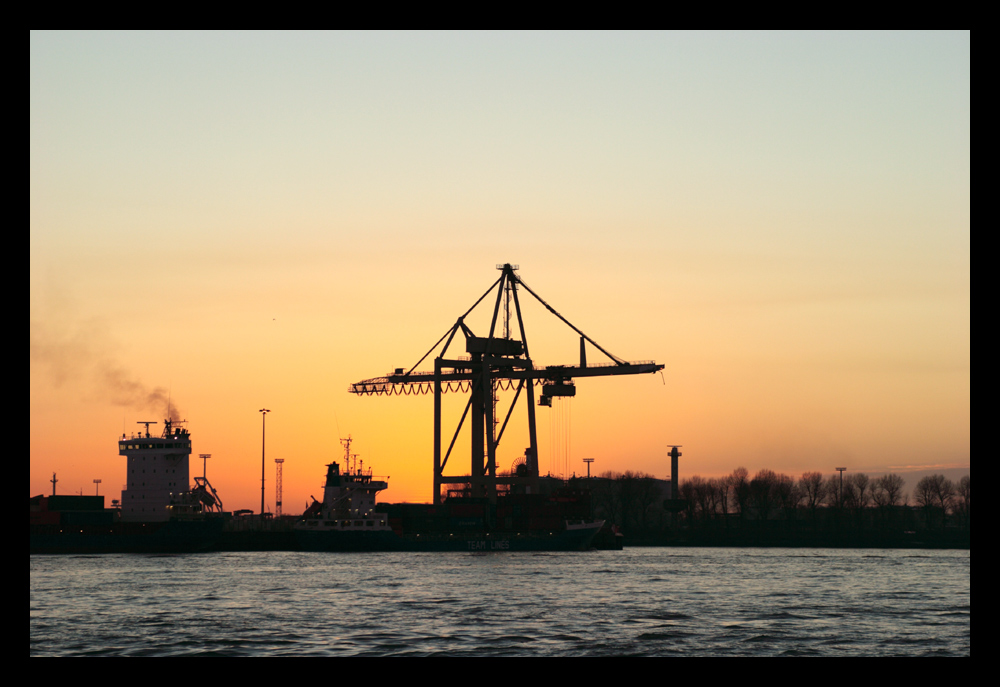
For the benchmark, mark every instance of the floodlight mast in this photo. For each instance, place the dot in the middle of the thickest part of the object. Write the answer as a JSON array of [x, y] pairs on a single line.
[[492, 362]]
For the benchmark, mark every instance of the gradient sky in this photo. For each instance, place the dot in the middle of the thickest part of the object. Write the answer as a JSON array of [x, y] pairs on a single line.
[[248, 220]]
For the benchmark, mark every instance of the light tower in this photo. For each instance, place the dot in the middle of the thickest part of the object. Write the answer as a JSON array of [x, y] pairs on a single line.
[[97, 489], [675, 504], [588, 461], [674, 472], [277, 488], [204, 463]]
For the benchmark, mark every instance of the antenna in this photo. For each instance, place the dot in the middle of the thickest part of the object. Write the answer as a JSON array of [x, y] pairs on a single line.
[[147, 423], [347, 452], [204, 463], [53, 480]]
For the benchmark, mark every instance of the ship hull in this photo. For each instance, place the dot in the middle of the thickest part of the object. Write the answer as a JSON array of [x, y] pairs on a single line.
[[323, 540], [175, 536], [577, 539]]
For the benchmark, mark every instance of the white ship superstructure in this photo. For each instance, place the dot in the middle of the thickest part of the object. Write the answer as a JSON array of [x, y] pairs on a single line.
[[348, 500], [157, 468]]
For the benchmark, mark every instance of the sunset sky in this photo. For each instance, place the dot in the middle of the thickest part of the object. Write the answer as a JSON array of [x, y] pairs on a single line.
[[250, 220]]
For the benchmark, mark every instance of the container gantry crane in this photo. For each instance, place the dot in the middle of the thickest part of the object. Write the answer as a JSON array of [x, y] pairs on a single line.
[[493, 361]]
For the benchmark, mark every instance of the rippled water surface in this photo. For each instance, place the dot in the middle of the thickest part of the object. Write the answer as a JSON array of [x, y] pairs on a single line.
[[656, 601]]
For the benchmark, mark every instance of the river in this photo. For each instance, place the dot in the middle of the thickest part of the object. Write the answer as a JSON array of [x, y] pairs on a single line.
[[636, 602]]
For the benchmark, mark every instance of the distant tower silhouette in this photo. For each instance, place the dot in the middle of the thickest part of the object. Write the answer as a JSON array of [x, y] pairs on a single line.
[[53, 480], [840, 497], [263, 427], [674, 472], [277, 488]]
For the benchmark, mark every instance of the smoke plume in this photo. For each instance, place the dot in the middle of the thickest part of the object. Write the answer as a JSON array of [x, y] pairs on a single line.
[[71, 354]]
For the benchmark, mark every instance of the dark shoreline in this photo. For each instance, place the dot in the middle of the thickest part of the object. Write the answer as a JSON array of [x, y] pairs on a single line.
[[919, 540]]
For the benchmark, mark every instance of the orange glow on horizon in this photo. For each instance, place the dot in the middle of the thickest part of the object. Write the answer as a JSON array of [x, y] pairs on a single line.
[[785, 224]]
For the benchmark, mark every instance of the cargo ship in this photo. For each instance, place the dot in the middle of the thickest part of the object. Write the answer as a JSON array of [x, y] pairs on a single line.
[[159, 513], [61, 526], [349, 519]]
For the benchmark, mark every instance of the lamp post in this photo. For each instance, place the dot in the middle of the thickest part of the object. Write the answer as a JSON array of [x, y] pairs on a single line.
[[263, 418], [840, 498]]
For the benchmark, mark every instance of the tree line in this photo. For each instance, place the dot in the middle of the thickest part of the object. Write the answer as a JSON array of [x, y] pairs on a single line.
[[781, 504]]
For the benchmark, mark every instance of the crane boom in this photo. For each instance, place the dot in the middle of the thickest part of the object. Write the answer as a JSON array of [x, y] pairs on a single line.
[[462, 372]]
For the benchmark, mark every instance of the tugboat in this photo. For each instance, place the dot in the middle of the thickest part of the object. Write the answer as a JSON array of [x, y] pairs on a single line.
[[346, 519]]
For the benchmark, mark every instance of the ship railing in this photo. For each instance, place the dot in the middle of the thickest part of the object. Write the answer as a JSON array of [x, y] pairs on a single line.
[[367, 477]]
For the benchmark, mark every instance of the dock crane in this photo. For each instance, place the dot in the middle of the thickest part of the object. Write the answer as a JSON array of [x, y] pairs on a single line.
[[492, 362]]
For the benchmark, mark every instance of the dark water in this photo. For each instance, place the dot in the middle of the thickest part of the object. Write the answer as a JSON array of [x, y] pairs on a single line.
[[655, 602]]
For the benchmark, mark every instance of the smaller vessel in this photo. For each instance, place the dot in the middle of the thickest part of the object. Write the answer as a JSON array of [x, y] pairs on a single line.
[[346, 519]]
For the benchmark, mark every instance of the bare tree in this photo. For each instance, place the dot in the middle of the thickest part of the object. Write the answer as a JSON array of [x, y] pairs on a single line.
[[879, 495], [687, 492], [763, 492], [739, 485], [862, 490], [692, 490], [834, 492], [628, 495], [857, 495], [887, 494], [944, 494], [963, 500], [714, 488], [647, 493], [892, 484], [935, 492], [703, 494], [849, 495], [724, 492], [813, 489], [605, 495], [788, 495], [923, 494]]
